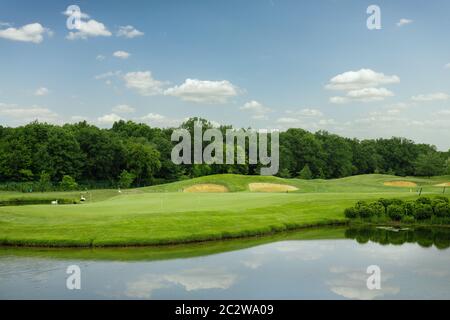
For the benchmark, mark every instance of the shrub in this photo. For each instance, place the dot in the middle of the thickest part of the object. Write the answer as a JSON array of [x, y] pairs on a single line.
[[126, 179], [409, 209], [377, 208], [396, 212], [387, 202], [305, 173], [408, 219], [368, 210], [442, 209], [68, 183], [422, 211], [351, 213], [423, 200], [364, 211], [444, 199]]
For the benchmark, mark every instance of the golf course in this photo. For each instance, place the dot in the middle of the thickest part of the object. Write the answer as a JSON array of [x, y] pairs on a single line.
[[207, 208]]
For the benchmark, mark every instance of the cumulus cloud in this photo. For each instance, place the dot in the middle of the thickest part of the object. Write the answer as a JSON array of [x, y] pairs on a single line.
[[121, 54], [21, 115], [100, 57], [438, 96], [33, 32], [369, 94], [129, 32], [123, 109], [143, 83], [158, 120], [91, 28], [443, 113], [41, 91], [109, 74], [109, 119], [86, 29], [307, 112], [203, 91], [362, 85], [259, 111], [339, 100], [363, 78], [403, 22]]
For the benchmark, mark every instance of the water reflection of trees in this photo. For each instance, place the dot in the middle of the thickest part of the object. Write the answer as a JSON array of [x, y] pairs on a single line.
[[425, 237]]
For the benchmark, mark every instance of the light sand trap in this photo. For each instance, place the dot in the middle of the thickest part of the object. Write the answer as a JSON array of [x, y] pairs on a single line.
[[270, 187], [206, 187], [445, 184], [400, 184]]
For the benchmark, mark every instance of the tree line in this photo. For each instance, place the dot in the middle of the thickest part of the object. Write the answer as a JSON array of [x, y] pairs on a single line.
[[135, 154]]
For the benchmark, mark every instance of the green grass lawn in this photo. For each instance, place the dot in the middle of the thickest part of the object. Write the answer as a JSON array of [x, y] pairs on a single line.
[[163, 215]]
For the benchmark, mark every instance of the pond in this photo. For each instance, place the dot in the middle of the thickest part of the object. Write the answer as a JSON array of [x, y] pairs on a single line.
[[326, 263]]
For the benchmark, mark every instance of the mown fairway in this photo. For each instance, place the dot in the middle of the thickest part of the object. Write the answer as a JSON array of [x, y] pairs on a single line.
[[163, 214]]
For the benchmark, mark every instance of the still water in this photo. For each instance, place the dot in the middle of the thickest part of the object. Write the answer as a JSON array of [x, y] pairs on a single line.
[[326, 263]]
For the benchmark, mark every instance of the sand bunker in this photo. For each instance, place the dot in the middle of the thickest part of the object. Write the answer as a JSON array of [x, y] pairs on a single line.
[[445, 184], [270, 187], [206, 187], [400, 184]]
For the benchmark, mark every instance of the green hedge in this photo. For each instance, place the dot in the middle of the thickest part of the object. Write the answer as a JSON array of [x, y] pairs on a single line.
[[436, 210]]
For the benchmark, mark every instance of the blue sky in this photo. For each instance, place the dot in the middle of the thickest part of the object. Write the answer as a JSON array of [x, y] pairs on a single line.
[[264, 64]]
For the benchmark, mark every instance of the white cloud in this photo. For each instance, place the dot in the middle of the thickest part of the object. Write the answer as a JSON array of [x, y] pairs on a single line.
[[86, 29], [27, 114], [438, 96], [33, 32], [109, 119], [287, 120], [143, 83], [129, 32], [447, 66], [41, 91], [109, 74], [121, 54], [158, 120], [78, 118], [404, 22], [200, 91], [123, 109], [259, 111], [363, 78], [5, 24], [443, 112], [361, 85], [338, 100], [307, 113], [100, 57], [82, 15], [369, 94]]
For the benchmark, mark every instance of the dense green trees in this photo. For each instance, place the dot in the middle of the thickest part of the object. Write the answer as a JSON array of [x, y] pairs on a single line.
[[430, 164], [43, 154]]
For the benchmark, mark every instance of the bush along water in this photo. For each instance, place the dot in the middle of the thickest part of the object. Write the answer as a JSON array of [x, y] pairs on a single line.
[[423, 210]]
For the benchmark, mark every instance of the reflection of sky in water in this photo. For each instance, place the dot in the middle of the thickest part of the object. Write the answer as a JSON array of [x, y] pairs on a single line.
[[323, 269]]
